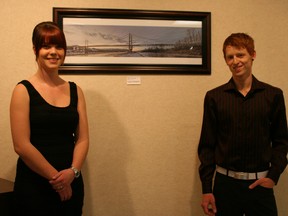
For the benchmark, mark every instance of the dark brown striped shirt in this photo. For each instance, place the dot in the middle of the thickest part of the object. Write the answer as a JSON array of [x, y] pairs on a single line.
[[245, 134]]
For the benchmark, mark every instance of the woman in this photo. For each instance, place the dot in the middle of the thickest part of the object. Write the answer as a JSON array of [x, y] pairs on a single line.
[[50, 133]]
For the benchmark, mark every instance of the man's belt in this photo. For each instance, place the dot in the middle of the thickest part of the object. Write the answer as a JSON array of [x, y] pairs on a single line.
[[242, 175]]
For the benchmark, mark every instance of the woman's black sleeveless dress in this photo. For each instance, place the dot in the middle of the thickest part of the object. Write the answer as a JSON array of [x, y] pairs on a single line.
[[52, 133]]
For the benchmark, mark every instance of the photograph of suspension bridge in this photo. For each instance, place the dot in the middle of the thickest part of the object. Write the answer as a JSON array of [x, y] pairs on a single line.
[[131, 41]]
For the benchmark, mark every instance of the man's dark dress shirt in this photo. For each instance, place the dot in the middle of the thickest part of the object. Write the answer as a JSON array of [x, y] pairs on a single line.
[[243, 133]]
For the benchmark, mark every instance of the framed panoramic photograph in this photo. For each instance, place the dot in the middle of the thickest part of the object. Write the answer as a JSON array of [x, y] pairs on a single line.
[[116, 41]]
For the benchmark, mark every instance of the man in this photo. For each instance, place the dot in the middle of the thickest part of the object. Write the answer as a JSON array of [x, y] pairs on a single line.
[[244, 139]]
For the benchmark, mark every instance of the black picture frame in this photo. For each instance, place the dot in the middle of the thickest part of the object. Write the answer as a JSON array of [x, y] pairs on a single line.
[[84, 27]]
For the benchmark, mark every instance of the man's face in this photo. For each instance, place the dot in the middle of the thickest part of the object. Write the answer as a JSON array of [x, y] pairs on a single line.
[[239, 61]]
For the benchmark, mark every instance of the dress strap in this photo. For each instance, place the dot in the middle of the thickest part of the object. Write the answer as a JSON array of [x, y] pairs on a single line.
[[29, 87], [33, 91], [73, 94]]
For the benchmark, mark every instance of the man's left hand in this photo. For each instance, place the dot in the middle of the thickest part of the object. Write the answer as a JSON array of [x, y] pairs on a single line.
[[264, 182]]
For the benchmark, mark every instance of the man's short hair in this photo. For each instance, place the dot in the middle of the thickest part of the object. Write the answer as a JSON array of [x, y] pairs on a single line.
[[240, 40]]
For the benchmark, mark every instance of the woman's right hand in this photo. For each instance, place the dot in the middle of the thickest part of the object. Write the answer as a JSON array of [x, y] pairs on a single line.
[[61, 183], [65, 193]]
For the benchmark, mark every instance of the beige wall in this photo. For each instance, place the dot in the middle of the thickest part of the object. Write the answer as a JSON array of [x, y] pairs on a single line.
[[143, 159]]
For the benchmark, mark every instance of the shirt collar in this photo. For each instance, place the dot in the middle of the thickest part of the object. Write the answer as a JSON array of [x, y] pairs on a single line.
[[256, 85]]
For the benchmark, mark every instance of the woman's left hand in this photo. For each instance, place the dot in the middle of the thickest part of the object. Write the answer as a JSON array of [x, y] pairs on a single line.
[[62, 180]]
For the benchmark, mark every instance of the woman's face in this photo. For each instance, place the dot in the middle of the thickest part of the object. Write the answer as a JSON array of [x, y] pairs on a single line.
[[50, 57]]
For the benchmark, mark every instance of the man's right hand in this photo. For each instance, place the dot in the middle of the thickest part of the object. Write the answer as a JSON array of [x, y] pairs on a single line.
[[208, 204]]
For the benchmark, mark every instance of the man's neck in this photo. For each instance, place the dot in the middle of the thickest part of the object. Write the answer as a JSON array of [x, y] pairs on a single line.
[[243, 85]]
